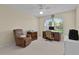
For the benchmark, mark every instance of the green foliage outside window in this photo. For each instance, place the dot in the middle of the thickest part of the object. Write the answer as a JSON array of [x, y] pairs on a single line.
[[57, 24]]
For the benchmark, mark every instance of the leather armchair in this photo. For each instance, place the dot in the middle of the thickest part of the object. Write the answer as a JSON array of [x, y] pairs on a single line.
[[21, 39]]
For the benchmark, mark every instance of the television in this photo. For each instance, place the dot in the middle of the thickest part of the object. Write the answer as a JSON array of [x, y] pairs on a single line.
[[51, 28]]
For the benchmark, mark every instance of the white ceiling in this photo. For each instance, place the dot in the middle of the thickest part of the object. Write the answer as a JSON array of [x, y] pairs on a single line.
[[48, 9]]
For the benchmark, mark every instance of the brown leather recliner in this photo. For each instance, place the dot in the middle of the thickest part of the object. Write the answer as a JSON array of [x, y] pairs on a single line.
[[21, 39]]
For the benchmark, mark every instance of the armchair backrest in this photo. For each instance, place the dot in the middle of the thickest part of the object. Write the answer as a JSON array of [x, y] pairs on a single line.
[[17, 32]]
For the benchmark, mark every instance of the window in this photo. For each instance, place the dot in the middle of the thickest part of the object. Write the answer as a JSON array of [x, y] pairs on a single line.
[[57, 23]]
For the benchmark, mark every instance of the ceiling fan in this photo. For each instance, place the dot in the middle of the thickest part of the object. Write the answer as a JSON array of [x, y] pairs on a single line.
[[43, 7]]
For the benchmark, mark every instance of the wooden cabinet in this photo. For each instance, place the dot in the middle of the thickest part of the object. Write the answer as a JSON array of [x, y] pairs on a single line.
[[44, 34], [33, 35], [56, 36]]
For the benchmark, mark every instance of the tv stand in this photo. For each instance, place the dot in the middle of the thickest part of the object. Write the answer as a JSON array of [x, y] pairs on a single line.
[[53, 36]]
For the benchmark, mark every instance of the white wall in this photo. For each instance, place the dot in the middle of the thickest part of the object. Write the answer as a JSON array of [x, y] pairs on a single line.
[[41, 25], [68, 17], [11, 19], [77, 18], [69, 21]]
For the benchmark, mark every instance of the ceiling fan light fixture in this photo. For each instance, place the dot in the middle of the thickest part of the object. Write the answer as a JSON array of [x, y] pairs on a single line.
[[41, 12]]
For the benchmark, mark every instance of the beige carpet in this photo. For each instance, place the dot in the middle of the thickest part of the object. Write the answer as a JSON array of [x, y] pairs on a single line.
[[37, 47]]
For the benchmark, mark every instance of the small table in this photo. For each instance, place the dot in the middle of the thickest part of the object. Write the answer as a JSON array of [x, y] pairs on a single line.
[[33, 35]]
